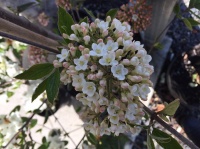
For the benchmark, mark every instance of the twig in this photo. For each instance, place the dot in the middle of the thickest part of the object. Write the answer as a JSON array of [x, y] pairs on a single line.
[[61, 126], [23, 22], [170, 129], [80, 141], [21, 129], [13, 31]]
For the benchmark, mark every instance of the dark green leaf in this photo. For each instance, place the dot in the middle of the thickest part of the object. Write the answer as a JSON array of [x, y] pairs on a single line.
[[39, 90], [177, 9], [194, 4], [150, 144], [39, 130], [169, 144], [65, 19], [161, 138], [112, 13], [17, 108], [171, 108], [187, 24], [193, 22], [24, 119], [36, 72], [9, 94], [84, 20], [90, 13], [52, 86], [33, 123], [23, 7], [92, 139], [164, 117]]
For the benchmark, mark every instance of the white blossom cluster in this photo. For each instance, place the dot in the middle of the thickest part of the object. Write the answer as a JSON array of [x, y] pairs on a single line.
[[111, 72], [55, 140], [9, 126]]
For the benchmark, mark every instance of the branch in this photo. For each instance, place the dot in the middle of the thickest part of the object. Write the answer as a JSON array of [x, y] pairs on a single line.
[[23, 126], [10, 30], [23, 22], [170, 129]]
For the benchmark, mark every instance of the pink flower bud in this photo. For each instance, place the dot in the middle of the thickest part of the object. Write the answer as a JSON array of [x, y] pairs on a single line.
[[102, 83], [81, 48], [102, 109], [93, 25], [126, 62], [86, 56], [109, 38], [99, 74], [86, 39], [99, 40], [105, 33], [125, 85], [71, 67], [93, 68], [73, 52], [65, 64], [101, 91], [57, 64]]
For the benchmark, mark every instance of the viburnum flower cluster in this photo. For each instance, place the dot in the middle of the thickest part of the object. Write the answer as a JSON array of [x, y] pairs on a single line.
[[9, 126], [136, 13], [37, 55], [111, 72]]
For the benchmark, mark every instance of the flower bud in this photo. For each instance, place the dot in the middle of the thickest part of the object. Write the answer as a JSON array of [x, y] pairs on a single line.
[[65, 64], [102, 83], [86, 51], [124, 85], [108, 19], [57, 64], [126, 62], [86, 39], [65, 36], [99, 40], [81, 48], [119, 52], [105, 33]]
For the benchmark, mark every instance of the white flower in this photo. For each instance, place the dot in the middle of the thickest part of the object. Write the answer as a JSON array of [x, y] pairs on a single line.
[[144, 91], [64, 55], [108, 59], [146, 59], [113, 110], [111, 46], [134, 90], [81, 63], [103, 25], [130, 115], [78, 80], [114, 119], [134, 17], [73, 37], [119, 71], [103, 101], [89, 88], [118, 25], [94, 98], [134, 61], [98, 50]]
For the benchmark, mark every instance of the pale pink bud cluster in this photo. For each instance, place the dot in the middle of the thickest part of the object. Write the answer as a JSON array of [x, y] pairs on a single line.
[[37, 55], [111, 72]]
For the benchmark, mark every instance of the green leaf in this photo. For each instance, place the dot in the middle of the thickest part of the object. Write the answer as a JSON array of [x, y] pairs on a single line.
[[92, 139], [187, 24], [84, 20], [169, 144], [9, 94], [64, 19], [33, 123], [164, 117], [171, 108], [193, 22], [52, 86], [23, 7], [39, 90], [194, 4], [150, 144], [17, 108], [90, 13], [36, 71], [177, 9], [112, 13]]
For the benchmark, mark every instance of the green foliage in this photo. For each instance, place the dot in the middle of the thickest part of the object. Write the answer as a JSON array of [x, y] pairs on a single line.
[[165, 140], [52, 86], [17, 108], [65, 20], [171, 108], [194, 4], [112, 13], [112, 142], [187, 23], [33, 122], [150, 144], [45, 144], [193, 22], [37, 71], [92, 139], [9, 94], [84, 20], [177, 9], [39, 90], [90, 13]]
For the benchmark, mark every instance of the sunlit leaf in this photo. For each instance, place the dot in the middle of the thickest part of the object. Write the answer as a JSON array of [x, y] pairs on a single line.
[[90, 13], [33, 123], [171, 108], [36, 72], [150, 144]]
